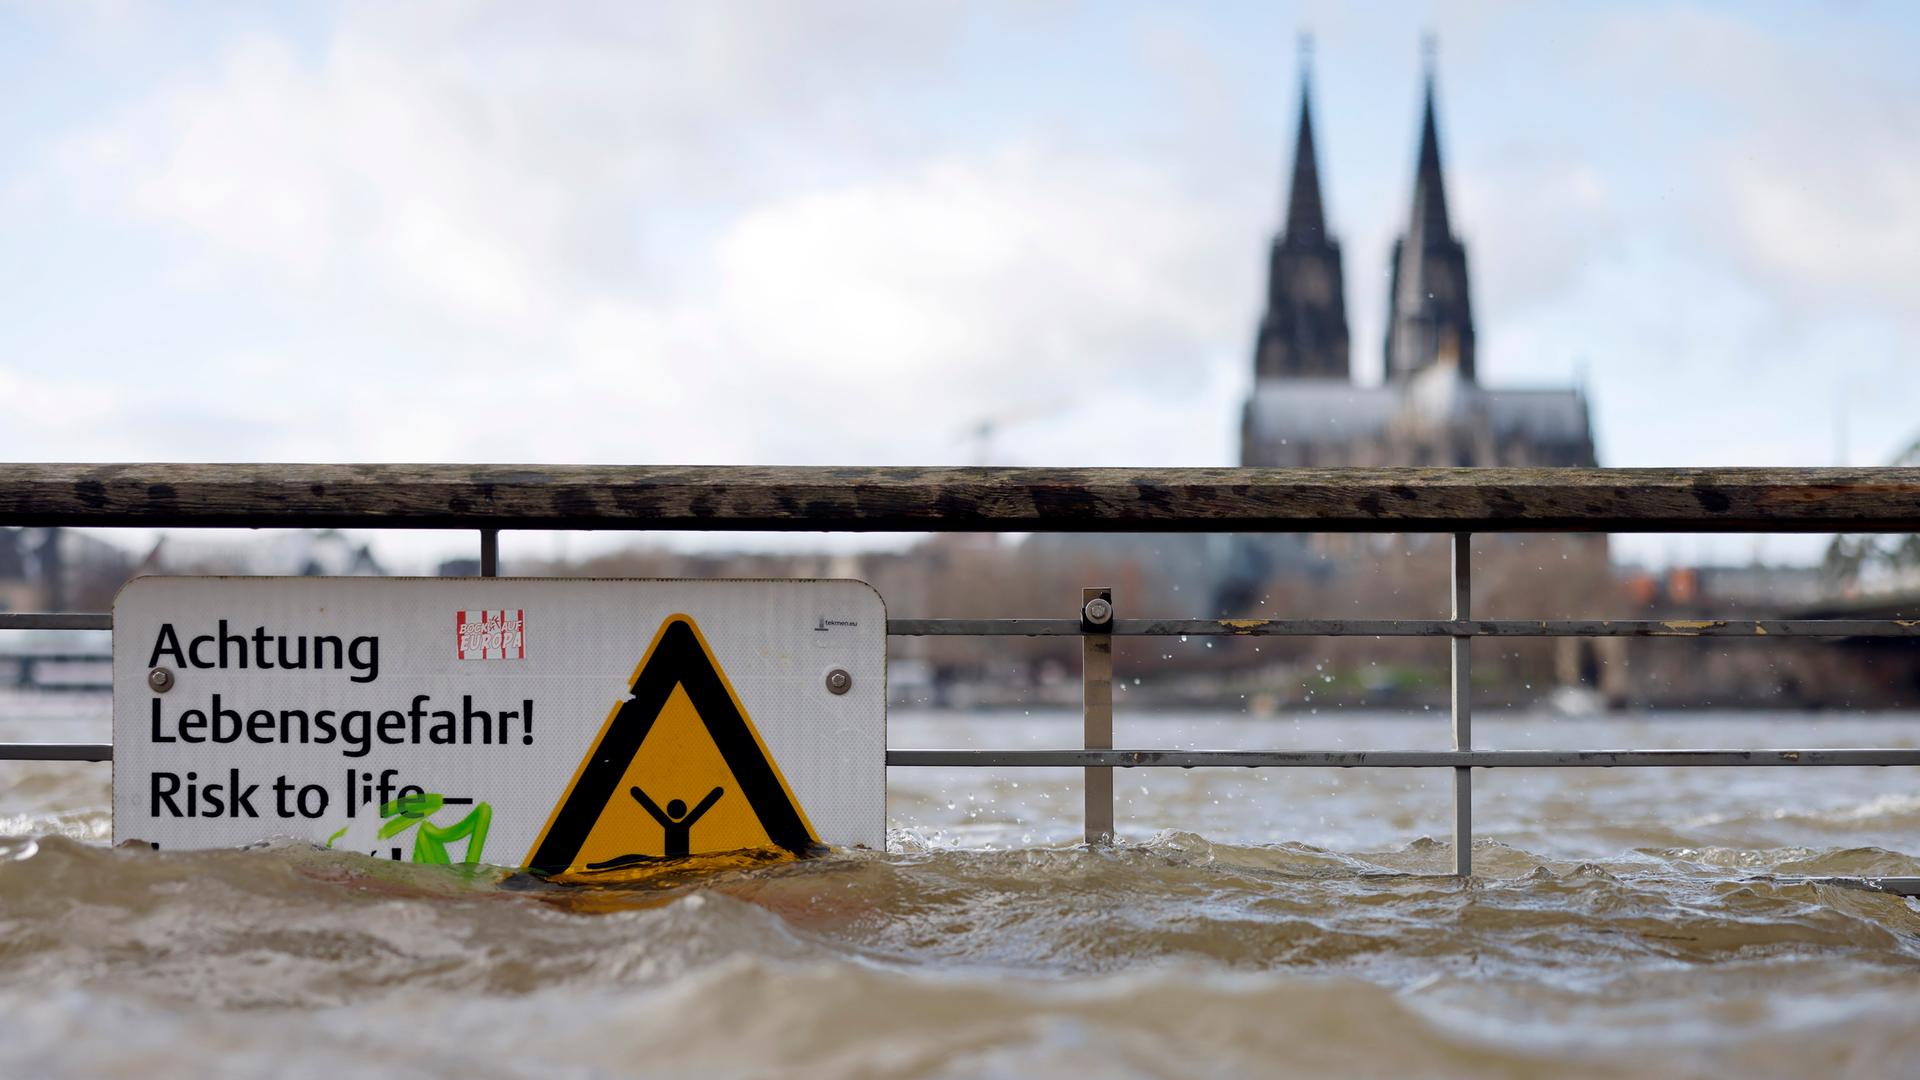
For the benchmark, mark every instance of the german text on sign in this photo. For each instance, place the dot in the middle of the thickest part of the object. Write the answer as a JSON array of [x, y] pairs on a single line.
[[555, 724]]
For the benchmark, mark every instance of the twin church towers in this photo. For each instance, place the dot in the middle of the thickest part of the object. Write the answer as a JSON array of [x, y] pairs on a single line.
[[1430, 408]]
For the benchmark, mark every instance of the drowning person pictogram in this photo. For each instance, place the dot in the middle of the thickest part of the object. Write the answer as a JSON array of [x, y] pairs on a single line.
[[676, 820]]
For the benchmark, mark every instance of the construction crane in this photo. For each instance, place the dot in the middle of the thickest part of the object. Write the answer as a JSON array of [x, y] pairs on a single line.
[[982, 430]]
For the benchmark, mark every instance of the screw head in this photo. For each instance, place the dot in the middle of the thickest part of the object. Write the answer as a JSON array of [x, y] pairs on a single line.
[[160, 679], [838, 681], [1098, 611]]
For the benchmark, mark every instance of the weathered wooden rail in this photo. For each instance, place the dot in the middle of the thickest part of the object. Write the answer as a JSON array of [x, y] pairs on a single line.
[[1455, 501], [658, 497]]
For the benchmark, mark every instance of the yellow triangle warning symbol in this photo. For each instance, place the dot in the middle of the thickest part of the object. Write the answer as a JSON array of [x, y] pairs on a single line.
[[677, 769]]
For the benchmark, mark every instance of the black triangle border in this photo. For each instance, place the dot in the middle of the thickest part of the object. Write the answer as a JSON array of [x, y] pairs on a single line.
[[678, 659]]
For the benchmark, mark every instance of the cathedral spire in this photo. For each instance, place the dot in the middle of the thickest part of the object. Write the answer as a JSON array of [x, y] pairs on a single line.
[[1429, 315], [1429, 221], [1303, 332], [1306, 214]]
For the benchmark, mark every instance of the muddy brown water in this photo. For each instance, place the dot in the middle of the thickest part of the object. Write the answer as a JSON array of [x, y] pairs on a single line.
[[1251, 923]]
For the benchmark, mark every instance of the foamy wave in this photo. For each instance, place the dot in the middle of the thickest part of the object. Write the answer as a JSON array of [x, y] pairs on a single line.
[[92, 825], [1892, 805], [750, 1017]]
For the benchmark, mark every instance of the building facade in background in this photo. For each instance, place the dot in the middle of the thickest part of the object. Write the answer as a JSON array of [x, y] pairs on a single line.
[[1430, 408]]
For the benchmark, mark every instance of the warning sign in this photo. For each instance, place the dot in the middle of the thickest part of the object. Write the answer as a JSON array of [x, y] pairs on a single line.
[[677, 769], [654, 719]]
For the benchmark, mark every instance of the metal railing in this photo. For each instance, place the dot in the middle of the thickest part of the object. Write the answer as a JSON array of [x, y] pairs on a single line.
[[1460, 502]]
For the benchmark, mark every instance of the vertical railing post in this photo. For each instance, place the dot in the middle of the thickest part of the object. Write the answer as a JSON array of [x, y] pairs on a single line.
[[489, 552], [1096, 699], [1462, 704]]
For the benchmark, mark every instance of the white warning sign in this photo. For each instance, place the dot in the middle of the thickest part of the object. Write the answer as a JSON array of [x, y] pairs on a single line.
[[560, 725]]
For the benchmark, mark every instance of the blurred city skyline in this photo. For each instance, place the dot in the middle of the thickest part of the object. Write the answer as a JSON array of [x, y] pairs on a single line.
[[812, 234]]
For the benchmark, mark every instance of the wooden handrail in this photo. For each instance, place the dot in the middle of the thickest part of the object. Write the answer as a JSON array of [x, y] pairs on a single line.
[[807, 498]]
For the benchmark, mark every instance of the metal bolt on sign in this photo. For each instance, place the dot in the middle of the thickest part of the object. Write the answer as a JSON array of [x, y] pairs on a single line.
[[838, 681], [160, 679]]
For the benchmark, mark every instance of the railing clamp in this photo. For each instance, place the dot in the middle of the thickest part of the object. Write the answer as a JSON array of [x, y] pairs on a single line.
[[1096, 615]]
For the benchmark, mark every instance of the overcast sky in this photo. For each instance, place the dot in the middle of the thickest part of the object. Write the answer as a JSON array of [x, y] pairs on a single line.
[[833, 233]]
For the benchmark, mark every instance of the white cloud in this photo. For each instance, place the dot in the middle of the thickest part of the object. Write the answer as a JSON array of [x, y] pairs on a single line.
[[493, 230], [1032, 270], [1804, 155], [1542, 222], [1832, 217], [484, 159]]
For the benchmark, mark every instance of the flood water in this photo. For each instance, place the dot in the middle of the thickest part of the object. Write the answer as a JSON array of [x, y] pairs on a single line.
[[1250, 923]]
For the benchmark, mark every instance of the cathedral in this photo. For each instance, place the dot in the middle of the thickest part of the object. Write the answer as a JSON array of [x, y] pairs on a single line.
[[1430, 408], [1306, 409]]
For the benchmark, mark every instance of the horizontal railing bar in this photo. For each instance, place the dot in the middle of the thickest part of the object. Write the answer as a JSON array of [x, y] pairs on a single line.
[[906, 499], [1395, 759], [56, 620], [992, 627], [1275, 627], [1415, 627], [1894, 886], [78, 620], [54, 751], [1262, 759]]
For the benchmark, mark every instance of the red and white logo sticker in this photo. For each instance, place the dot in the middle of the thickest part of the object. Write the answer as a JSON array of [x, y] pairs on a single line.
[[490, 635]]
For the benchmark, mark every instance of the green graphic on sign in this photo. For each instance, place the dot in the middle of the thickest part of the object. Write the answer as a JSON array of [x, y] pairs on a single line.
[[430, 842]]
